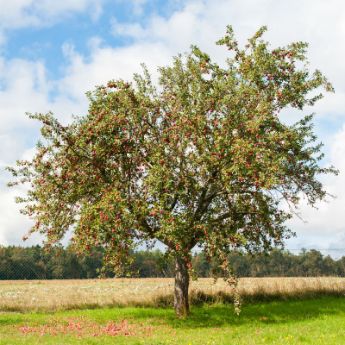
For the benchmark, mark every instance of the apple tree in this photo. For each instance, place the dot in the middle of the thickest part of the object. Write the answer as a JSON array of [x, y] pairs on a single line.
[[200, 158]]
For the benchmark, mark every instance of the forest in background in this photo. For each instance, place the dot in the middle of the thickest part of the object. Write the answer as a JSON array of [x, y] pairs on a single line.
[[64, 263]]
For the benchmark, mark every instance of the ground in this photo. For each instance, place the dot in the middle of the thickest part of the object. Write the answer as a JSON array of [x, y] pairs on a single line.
[[290, 320]]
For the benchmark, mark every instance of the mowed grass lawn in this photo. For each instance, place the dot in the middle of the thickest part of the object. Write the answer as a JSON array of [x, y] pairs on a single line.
[[311, 321]]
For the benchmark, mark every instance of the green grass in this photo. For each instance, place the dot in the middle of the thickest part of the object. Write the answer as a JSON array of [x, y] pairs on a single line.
[[318, 321]]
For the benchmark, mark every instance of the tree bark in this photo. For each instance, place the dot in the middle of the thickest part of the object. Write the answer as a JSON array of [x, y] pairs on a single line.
[[181, 303]]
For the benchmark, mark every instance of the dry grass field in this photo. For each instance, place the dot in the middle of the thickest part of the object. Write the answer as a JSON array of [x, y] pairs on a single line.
[[52, 295]]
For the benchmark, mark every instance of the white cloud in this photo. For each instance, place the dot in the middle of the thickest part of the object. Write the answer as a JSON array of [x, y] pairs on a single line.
[[318, 22], [137, 6], [325, 225], [106, 63], [23, 87], [127, 29], [13, 225], [22, 82], [26, 13]]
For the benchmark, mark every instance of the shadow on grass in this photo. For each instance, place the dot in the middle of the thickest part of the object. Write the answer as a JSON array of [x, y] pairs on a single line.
[[259, 313], [8, 320]]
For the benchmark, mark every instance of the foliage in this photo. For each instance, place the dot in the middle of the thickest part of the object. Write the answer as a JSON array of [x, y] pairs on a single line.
[[61, 263], [202, 159]]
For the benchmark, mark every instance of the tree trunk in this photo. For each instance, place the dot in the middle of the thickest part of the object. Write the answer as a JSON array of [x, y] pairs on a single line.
[[181, 303]]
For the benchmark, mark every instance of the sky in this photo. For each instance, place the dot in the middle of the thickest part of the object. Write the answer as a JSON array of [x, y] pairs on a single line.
[[52, 52]]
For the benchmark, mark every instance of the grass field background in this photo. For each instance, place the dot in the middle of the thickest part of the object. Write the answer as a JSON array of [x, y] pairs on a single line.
[[52, 295], [280, 311]]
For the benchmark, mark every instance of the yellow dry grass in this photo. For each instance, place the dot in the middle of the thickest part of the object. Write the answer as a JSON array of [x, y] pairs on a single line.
[[66, 294]]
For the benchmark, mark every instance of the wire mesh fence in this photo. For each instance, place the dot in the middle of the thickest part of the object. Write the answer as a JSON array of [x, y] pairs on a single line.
[[33, 263]]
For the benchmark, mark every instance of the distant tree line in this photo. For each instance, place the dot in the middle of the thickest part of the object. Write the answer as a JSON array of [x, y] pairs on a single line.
[[63, 263]]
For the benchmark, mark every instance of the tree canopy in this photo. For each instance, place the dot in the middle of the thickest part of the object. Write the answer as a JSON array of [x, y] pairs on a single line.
[[200, 158]]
